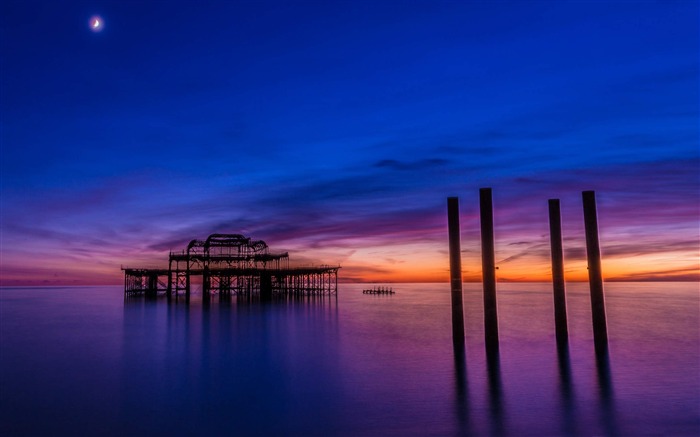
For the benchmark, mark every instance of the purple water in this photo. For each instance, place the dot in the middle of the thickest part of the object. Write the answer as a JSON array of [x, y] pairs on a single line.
[[82, 361]]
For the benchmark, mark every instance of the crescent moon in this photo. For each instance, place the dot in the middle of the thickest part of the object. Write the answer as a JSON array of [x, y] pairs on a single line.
[[95, 23]]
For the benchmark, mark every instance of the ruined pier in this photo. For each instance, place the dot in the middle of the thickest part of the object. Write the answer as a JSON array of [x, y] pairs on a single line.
[[231, 264]]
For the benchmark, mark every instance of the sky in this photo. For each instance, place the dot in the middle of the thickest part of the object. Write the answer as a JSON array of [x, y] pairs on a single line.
[[337, 130]]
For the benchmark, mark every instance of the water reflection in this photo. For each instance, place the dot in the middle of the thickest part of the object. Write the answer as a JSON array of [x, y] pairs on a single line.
[[462, 389], [493, 363], [566, 389], [605, 389], [89, 362]]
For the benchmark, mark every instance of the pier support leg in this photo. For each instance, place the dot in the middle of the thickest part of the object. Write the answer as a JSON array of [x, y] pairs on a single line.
[[455, 271], [265, 286], [169, 291], [595, 273], [206, 284], [152, 285], [488, 267], [555, 239]]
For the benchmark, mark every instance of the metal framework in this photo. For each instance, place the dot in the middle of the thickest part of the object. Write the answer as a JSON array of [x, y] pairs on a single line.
[[231, 264]]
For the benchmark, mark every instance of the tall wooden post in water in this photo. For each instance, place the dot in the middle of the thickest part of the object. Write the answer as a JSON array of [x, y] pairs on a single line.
[[455, 271], [555, 240], [488, 268], [595, 273]]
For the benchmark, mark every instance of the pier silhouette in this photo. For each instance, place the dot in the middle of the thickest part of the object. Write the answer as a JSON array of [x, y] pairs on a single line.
[[231, 264]]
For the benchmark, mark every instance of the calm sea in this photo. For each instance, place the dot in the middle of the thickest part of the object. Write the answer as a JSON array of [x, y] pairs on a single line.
[[83, 361]]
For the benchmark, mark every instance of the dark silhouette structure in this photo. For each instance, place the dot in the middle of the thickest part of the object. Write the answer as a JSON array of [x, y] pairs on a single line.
[[555, 239], [488, 268], [379, 290], [455, 270], [231, 264], [595, 272]]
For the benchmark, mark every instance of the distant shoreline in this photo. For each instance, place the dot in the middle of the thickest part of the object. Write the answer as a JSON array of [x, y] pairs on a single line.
[[616, 281]]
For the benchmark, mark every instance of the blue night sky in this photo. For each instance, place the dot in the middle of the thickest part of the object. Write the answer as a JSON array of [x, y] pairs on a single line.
[[336, 130]]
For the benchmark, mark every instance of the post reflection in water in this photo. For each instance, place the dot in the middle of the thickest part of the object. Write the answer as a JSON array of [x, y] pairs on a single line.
[[493, 363], [566, 389], [605, 389], [607, 417], [462, 389]]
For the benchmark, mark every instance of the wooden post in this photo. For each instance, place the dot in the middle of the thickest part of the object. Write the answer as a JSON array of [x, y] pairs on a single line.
[[595, 273], [455, 270], [488, 268], [555, 239]]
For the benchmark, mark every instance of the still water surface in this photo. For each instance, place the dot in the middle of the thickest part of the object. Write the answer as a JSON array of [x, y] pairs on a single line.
[[82, 361]]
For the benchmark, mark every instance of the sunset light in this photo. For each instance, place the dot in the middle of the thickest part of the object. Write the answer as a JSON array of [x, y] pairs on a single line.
[[349, 159], [349, 218]]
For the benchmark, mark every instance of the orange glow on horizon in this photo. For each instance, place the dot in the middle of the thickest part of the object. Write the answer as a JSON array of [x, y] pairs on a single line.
[[653, 267], [417, 262]]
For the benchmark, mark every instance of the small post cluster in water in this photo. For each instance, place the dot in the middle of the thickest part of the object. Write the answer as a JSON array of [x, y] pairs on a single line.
[[379, 290]]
